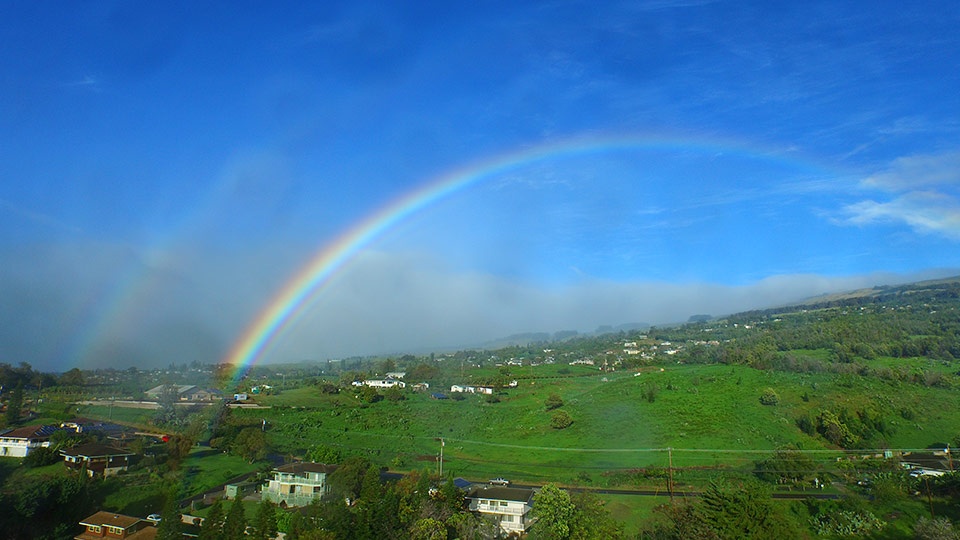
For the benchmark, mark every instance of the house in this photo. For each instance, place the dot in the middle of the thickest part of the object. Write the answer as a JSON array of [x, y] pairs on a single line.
[[185, 392], [509, 506], [421, 386], [19, 442], [111, 525], [471, 389], [98, 458], [396, 374], [385, 383], [297, 484]]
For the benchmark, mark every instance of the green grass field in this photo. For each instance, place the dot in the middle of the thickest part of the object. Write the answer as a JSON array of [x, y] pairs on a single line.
[[710, 416]]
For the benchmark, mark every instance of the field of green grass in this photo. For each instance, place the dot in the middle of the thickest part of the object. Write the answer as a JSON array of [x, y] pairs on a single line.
[[710, 416]]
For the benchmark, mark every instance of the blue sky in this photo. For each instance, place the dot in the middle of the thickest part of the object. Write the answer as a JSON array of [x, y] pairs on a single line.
[[166, 167]]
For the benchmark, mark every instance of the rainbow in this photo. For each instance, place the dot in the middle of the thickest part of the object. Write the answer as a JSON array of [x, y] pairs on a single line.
[[308, 282]]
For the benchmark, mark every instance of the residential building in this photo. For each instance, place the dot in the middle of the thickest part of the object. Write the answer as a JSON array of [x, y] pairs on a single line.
[[297, 484], [185, 392], [111, 525], [98, 459], [509, 506], [18, 442], [396, 374], [384, 383]]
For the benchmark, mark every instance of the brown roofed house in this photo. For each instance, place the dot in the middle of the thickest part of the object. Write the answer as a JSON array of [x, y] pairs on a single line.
[[111, 525], [98, 458]]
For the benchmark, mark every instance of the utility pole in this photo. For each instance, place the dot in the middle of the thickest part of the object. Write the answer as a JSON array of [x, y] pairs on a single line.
[[670, 473], [441, 457]]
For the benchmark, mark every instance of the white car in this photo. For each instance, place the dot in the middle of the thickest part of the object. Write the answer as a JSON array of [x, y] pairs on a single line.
[[500, 481], [155, 518]]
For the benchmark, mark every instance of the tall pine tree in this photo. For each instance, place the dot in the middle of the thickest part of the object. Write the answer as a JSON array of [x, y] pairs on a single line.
[[212, 527], [236, 523]]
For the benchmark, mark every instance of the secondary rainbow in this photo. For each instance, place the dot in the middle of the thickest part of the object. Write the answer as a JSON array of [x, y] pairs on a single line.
[[297, 294]]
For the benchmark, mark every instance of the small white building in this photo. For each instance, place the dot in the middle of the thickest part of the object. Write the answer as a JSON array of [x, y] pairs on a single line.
[[396, 374]]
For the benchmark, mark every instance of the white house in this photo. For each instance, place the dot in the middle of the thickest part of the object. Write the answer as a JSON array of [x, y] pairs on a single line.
[[396, 374], [297, 484], [385, 383], [19, 442], [509, 506]]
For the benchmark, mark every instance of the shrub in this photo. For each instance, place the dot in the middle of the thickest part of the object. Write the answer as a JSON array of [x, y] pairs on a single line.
[[769, 397], [650, 392], [553, 401], [561, 420]]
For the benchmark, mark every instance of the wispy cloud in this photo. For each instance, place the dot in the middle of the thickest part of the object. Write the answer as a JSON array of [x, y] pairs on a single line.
[[923, 211], [87, 81], [922, 191], [36, 218], [918, 171]]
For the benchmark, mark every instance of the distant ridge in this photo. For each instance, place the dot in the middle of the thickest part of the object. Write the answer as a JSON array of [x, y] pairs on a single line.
[[872, 294]]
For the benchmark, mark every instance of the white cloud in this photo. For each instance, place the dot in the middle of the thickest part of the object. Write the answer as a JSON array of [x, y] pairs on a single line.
[[922, 191], [917, 172]]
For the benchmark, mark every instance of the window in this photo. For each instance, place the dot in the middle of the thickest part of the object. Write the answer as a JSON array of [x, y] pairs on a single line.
[[94, 528], [115, 530], [508, 518], [503, 503]]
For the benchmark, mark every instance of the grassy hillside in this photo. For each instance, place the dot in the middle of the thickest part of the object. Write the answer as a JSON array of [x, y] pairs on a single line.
[[711, 415]]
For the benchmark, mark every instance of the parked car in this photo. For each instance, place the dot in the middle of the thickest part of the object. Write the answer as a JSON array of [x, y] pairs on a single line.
[[154, 518], [500, 481]]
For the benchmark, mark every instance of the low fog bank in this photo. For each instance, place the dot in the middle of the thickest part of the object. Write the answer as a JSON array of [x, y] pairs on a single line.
[[100, 305]]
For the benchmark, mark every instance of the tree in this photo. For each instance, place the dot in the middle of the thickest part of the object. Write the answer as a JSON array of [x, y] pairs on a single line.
[[422, 372], [553, 401], [387, 366], [742, 510], [324, 454], [15, 404], [393, 394], [250, 444], [554, 512], [369, 394], [170, 525], [347, 480], [561, 420], [74, 377], [38, 457], [592, 520], [212, 527], [265, 522], [428, 529], [235, 523], [787, 465]]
